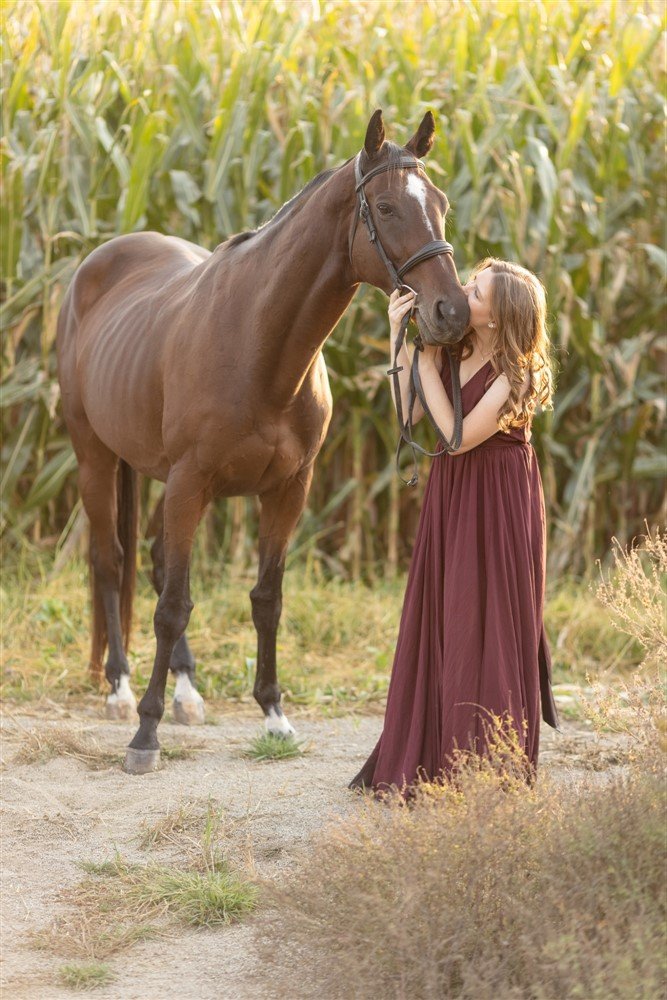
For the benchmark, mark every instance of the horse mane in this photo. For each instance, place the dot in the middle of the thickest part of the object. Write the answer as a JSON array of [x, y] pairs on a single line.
[[394, 154]]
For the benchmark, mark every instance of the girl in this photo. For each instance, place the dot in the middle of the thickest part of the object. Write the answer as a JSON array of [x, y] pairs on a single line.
[[471, 638]]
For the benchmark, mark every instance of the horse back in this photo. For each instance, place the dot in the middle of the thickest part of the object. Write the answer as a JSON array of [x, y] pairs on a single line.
[[136, 262]]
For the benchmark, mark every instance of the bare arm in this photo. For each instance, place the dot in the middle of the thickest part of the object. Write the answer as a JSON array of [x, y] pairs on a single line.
[[481, 423], [398, 306]]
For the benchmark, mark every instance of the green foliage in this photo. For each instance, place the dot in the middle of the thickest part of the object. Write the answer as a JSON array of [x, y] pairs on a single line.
[[340, 663], [201, 899], [200, 119], [85, 975], [271, 746], [119, 904]]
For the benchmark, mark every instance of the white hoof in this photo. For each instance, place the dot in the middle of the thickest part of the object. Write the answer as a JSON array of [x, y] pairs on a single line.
[[122, 704], [188, 705], [277, 724]]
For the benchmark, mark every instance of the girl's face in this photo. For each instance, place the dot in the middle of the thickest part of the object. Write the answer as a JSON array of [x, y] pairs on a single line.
[[478, 293]]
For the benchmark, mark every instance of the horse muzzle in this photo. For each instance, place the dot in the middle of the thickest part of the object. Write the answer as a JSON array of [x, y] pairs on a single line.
[[451, 323]]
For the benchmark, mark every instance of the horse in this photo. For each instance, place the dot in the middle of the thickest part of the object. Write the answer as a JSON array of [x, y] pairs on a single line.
[[204, 370]]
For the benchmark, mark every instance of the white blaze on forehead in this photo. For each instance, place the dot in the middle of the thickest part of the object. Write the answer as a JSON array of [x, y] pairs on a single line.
[[416, 187]]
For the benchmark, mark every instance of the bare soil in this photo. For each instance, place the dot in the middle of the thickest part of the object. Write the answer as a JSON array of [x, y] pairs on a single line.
[[59, 813]]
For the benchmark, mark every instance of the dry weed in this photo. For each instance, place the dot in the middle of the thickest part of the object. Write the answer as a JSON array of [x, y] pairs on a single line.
[[42, 743], [481, 888], [636, 594], [635, 710], [93, 932], [182, 823], [201, 833], [39, 744]]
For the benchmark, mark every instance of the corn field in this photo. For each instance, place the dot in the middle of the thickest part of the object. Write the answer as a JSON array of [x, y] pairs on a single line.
[[200, 119]]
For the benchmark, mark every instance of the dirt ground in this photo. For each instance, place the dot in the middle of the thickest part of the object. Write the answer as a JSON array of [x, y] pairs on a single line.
[[59, 813]]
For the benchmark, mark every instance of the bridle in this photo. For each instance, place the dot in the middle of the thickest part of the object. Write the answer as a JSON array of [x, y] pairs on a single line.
[[433, 249]]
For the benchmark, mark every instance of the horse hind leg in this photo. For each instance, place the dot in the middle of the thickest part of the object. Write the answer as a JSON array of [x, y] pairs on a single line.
[[188, 704], [108, 492]]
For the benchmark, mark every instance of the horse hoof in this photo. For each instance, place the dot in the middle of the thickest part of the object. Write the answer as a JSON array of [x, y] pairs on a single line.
[[141, 761], [126, 711], [188, 703], [189, 713], [276, 723], [121, 703]]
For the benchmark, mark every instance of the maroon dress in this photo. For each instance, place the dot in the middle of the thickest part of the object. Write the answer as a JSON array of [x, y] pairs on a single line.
[[472, 631]]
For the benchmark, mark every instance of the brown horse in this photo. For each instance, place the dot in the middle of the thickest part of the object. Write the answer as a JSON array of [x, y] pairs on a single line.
[[204, 370]]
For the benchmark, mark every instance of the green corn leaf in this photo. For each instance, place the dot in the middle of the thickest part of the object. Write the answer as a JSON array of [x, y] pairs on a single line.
[[50, 479]]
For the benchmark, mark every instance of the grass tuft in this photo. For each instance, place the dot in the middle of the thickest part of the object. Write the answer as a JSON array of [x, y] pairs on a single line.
[[93, 933], [85, 976], [269, 746], [182, 751], [200, 899], [41, 744], [182, 821], [38, 745], [119, 904]]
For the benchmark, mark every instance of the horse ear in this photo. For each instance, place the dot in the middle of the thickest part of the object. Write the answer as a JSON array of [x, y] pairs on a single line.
[[374, 134], [422, 140]]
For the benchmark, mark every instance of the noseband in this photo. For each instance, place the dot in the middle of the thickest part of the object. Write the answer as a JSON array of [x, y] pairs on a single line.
[[433, 249]]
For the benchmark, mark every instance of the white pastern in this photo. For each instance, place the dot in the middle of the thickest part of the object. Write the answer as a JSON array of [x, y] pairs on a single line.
[[416, 187], [277, 724], [185, 691], [188, 703], [121, 703]]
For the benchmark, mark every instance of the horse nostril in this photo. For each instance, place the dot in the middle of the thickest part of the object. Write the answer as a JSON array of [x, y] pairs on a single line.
[[446, 310]]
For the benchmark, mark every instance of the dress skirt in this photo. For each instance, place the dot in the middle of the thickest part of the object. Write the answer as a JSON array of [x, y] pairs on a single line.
[[471, 637]]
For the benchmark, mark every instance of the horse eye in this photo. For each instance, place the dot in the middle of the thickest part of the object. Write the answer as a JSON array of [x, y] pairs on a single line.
[[384, 209]]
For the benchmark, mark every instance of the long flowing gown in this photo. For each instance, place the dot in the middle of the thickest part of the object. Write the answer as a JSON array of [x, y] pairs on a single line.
[[472, 632]]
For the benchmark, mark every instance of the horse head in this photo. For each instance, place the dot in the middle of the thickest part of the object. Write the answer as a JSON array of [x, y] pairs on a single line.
[[407, 212]]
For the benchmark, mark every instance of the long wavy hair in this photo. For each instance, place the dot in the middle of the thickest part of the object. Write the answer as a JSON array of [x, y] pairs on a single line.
[[520, 340]]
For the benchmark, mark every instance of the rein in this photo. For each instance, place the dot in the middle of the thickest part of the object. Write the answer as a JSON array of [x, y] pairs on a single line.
[[433, 249]]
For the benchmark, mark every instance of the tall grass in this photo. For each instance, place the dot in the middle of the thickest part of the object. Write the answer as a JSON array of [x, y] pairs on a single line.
[[336, 640], [200, 119], [482, 891], [486, 886]]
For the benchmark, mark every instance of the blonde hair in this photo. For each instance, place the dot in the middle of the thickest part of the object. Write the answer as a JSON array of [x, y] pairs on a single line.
[[520, 340]]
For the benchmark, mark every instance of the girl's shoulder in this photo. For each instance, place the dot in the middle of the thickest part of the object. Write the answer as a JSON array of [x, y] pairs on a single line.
[[503, 379]]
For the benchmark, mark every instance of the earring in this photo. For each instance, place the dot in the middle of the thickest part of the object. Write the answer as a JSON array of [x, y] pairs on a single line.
[[492, 325]]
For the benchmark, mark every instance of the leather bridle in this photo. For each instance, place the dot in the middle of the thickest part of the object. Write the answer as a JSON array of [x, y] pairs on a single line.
[[433, 249]]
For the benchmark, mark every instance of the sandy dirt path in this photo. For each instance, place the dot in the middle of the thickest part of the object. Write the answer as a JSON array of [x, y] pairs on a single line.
[[58, 813]]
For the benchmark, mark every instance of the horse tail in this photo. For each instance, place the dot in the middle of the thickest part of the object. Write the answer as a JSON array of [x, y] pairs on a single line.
[[127, 494]]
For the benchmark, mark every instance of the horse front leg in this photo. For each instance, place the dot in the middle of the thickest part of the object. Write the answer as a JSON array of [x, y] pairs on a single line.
[[280, 512], [185, 501]]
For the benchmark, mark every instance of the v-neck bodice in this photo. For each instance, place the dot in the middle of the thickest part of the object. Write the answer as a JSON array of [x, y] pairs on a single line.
[[475, 374], [471, 393]]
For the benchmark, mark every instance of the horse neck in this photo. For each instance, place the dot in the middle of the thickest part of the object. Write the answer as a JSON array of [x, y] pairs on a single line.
[[305, 285]]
